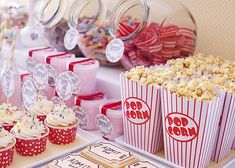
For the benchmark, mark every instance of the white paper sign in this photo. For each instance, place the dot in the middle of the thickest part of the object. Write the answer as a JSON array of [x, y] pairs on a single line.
[[30, 64], [103, 123], [82, 117], [64, 86], [29, 93], [8, 83], [75, 82], [115, 50], [40, 76], [71, 39], [51, 75]]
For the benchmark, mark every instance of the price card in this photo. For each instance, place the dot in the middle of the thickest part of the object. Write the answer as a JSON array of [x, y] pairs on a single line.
[[40, 76], [29, 94], [75, 82], [51, 75], [115, 50], [8, 83], [30, 64], [64, 86]]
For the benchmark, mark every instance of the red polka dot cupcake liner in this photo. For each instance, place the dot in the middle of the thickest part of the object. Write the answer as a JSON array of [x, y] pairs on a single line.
[[6, 155], [7, 127], [31, 147], [62, 136], [41, 117]]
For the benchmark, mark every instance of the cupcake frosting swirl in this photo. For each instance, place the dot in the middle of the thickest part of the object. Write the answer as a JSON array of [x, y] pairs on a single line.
[[61, 116], [29, 127], [5, 138], [10, 114], [42, 106]]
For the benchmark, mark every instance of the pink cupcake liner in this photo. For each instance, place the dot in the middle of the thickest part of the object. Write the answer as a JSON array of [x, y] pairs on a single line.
[[31, 147], [6, 155], [41, 117], [7, 127], [62, 136]]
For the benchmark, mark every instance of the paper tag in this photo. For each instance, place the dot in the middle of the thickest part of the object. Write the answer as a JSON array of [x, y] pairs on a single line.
[[8, 83], [56, 100], [82, 117], [75, 82], [51, 75], [29, 94], [30, 64], [40, 76], [71, 39], [64, 86], [115, 50], [103, 123]]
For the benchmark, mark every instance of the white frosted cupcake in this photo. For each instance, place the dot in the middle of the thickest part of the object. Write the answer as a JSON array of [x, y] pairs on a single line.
[[9, 115], [7, 143], [62, 123], [31, 136], [42, 107]]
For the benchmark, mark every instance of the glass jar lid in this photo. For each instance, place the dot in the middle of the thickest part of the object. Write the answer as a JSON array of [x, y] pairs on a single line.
[[50, 12]]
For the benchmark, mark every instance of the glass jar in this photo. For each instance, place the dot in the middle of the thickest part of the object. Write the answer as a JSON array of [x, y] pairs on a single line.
[[53, 16], [90, 18], [153, 31]]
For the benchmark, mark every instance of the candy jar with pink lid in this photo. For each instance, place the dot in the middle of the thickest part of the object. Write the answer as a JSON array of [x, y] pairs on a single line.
[[90, 19], [151, 32], [53, 16]]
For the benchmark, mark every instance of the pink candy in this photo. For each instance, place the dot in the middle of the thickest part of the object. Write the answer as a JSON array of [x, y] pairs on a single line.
[[155, 44]]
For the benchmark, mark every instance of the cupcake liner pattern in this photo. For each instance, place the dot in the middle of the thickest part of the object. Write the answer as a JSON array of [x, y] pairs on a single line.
[[41, 117], [7, 127], [33, 147], [226, 129], [189, 129], [6, 157], [142, 126], [62, 136]]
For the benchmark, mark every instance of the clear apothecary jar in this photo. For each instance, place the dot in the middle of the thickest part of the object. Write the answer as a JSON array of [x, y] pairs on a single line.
[[90, 18], [153, 31], [53, 16]]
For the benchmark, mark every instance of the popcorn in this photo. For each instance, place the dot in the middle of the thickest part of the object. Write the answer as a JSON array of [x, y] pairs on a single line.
[[193, 77]]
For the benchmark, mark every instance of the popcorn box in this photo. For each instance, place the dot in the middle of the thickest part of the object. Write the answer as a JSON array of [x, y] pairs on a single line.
[[226, 129], [189, 128], [142, 115]]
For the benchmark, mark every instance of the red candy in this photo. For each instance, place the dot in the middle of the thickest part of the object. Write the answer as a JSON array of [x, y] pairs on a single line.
[[155, 44]]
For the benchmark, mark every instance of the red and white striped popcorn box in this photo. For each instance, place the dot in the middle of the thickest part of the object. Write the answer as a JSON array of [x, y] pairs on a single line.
[[142, 115], [233, 147], [189, 128], [226, 129]]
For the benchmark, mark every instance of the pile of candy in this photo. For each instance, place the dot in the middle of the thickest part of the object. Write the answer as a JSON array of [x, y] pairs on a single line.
[[55, 36], [193, 77], [93, 44], [155, 44]]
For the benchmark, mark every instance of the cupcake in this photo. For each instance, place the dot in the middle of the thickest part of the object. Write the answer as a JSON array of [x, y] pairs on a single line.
[[62, 123], [31, 136], [7, 143], [41, 108], [9, 115]]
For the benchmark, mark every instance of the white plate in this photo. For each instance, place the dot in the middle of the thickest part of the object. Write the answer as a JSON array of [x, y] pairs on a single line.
[[88, 137]]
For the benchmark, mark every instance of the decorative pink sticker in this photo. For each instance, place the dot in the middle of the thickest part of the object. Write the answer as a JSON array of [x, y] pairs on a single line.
[[8, 83], [40, 76], [64, 86], [103, 123], [181, 127]]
